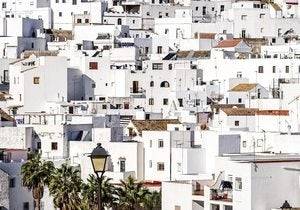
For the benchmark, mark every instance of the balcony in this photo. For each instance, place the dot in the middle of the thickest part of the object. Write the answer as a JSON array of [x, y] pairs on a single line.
[[137, 93]]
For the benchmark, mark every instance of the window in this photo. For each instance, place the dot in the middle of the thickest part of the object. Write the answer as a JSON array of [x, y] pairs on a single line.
[[78, 20], [180, 101], [150, 144], [36, 80], [239, 74], [56, 1], [3, 5], [287, 69], [244, 144], [60, 14], [166, 31], [261, 15], [93, 65], [63, 1], [238, 183], [119, 21], [259, 142], [203, 10], [122, 165], [26, 206], [236, 123], [133, 21], [260, 69], [243, 33], [178, 167], [86, 20], [12, 182], [215, 207], [151, 101], [170, 66], [159, 49], [93, 85], [152, 84], [20, 97], [74, 2], [160, 143], [239, 100], [243, 17], [222, 7], [167, 14], [165, 101], [39, 145], [274, 69], [165, 84], [53, 145], [197, 8], [150, 163], [157, 66], [227, 207], [273, 40], [279, 32], [160, 166], [176, 207]]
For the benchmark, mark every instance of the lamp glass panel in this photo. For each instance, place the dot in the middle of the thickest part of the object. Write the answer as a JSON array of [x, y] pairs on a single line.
[[98, 163]]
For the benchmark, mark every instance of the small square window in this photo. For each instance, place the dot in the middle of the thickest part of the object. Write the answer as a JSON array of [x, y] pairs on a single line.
[[60, 14], [36, 80], [165, 101], [53, 145], [160, 166], [287, 69], [260, 69], [93, 85], [239, 100], [237, 123], [151, 101], [93, 65], [244, 144]]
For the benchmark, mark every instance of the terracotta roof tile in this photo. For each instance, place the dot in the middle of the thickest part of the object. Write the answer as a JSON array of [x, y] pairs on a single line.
[[243, 87], [239, 111], [228, 43], [153, 125], [273, 112], [207, 35]]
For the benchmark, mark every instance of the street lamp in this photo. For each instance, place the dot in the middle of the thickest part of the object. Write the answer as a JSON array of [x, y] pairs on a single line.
[[99, 158]]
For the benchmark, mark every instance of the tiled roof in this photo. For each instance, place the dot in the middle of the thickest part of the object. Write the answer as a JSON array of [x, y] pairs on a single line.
[[192, 54], [239, 111], [253, 111], [207, 35], [228, 43], [28, 53], [153, 125], [243, 87], [273, 112], [5, 117]]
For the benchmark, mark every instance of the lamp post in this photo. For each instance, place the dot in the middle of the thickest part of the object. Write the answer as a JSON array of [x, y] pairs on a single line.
[[99, 158]]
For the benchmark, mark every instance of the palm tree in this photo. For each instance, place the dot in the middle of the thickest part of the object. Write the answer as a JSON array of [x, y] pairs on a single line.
[[35, 176], [65, 187], [131, 194], [153, 201], [90, 192]]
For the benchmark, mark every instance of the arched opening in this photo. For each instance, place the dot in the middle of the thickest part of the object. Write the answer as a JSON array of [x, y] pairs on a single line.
[[165, 84], [119, 21]]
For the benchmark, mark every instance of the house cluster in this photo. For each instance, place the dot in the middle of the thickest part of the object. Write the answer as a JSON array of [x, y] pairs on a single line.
[[198, 99]]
